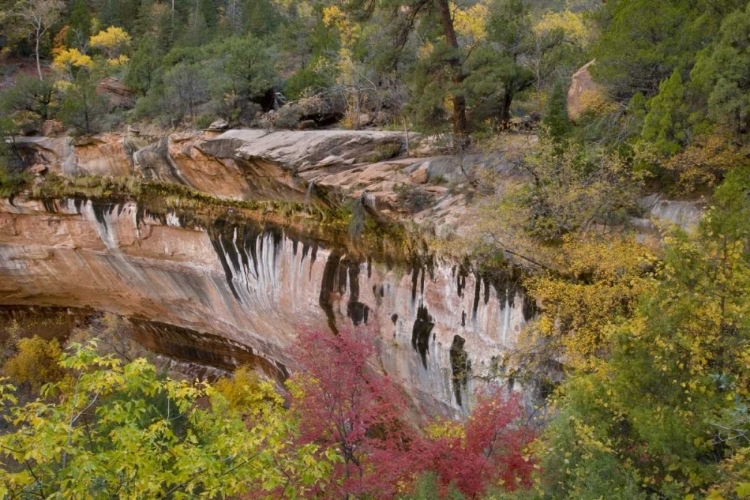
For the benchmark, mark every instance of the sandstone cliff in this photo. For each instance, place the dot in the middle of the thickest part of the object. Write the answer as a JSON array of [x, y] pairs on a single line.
[[233, 284], [255, 286]]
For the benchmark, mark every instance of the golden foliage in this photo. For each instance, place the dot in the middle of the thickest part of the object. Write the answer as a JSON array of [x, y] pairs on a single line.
[[704, 161], [593, 283], [112, 41], [58, 43], [596, 101], [351, 72], [471, 22], [120, 60], [349, 32], [570, 23], [445, 429], [567, 189], [67, 59], [36, 363], [425, 50], [249, 395]]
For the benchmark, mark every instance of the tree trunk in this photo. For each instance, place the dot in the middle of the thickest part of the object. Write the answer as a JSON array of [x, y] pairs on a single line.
[[36, 53], [460, 126], [505, 109]]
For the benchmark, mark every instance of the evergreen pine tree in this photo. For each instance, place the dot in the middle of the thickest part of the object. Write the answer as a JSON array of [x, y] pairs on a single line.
[[556, 116], [144, 65], [666, 124], [79, 24]]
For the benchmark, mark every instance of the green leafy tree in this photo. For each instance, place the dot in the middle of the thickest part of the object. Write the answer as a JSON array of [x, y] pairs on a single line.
[[722, 71], [643, 42], [81, 106], [29, 99], [79, 26], [305, 79], [123, 431], [143, 68], [666, 123], [12, 177], [209, 12], [667, 414], [119, 13], [447, 62], [556, 118], [509, 34], [241, 69], [186, 89], [262, 17]]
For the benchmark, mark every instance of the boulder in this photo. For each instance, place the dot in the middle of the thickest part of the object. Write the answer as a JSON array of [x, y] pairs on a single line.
[[307, 125], [382, 118], [364, 120], [584, 93], [52, 128], [305, 150], [421, 175], [119, 94], [218, 126]]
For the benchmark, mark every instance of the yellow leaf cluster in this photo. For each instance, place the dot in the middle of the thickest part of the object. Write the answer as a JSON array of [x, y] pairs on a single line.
[[72, 58], [445, 429], [58, 43], [570, 23], [35, 363], [736, 471], [112, 41], [705, 160], [246, 393], [471, 22], [597, 102], [425, 50], [120, 60], [349, 32], [595, 285]]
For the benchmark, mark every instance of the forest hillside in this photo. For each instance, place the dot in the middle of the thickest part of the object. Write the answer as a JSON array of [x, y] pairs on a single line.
[[545, 152]]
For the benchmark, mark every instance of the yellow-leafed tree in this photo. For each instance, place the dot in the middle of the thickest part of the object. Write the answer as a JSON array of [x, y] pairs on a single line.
[[113, 41]]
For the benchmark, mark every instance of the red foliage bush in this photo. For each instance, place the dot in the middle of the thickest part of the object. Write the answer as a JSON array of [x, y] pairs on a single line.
[[490, 453], [344, 404]]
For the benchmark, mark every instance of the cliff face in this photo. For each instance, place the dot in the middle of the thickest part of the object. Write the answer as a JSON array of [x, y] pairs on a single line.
[[255, 287], [225, 289], [230, 291]]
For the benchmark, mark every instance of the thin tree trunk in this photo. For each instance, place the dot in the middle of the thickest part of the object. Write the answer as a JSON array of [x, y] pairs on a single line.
[[36, 53], [460, 125], [406, 134], [86, 109], [505, 110]]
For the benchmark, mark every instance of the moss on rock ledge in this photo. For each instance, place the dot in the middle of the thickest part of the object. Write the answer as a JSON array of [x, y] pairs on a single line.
[[320, 220]]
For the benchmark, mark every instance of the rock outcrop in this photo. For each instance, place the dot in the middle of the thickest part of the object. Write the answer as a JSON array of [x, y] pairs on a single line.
[[119, 94], [256, 164], [254, 287], [584, 93], [228, 289]]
